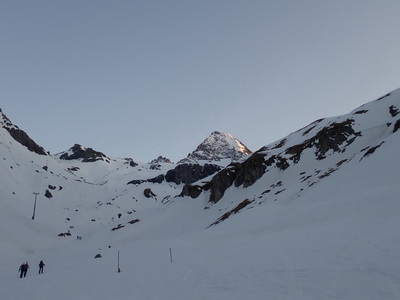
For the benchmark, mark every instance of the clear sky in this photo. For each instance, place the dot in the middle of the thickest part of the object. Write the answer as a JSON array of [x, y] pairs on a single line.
[[143, 78]]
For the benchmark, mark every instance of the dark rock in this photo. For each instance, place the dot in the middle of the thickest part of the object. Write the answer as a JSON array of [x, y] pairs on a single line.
[[135, 182], [238, 208], [132, 163], [191, 190], [371, 150], [189, 173], [86, 154], [119, 226], [148, 193], [387, 95], [221, 182], [48, 194], [134, 221], [158, 179], [359, 112], [250, 170], [21, 137], [396, 126], [328, 138], [393, 111]]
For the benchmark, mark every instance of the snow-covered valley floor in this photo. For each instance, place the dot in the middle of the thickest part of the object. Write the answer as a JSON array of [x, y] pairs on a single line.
[[342, 248]]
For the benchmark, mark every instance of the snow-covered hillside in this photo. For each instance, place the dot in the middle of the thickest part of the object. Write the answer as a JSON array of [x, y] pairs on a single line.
[[312, 216]]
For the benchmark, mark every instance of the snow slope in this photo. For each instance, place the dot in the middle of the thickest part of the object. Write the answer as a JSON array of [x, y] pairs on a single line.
[[315, 230]]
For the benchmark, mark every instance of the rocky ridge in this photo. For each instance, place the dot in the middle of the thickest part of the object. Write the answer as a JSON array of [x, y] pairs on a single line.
[[20, 136], [333, 141]]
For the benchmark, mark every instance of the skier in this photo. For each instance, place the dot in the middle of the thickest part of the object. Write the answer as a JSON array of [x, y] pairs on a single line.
[[21, 270], [41, 265], [26, 269]]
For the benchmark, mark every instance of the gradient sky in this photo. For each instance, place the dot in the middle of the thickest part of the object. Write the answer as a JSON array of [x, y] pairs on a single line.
[[146, 78]]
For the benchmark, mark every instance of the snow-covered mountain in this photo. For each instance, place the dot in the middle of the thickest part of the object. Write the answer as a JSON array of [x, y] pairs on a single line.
[[218, 146], [313, 153], [313, 215]]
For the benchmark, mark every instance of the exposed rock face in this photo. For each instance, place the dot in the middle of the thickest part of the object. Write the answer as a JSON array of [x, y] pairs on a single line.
[[216, 147], [396, 126], [333, 138], [192, 190], [250, 170], [86, 154], [189, 173], [328, 138], [222, 181], [20, 136], [185, 173]]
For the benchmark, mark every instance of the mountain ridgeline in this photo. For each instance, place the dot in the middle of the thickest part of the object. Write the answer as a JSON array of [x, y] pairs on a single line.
[[313, 215], [283, 170]]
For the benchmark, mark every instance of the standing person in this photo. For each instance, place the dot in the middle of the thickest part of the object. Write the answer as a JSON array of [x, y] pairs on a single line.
[[21, 270], [41, 265], [26, 269]]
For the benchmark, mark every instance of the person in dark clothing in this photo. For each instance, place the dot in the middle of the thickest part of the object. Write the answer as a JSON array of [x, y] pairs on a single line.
[[41, 265], [21, 270], [26, 269]]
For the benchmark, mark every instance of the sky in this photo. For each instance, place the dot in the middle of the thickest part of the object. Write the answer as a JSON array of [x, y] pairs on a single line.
[[141, 79]]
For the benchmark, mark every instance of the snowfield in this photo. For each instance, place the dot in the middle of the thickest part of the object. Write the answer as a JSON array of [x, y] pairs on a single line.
[[337, 238]]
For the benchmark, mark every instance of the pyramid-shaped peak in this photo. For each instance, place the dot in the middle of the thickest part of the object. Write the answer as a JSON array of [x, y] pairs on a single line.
[[218, 146]]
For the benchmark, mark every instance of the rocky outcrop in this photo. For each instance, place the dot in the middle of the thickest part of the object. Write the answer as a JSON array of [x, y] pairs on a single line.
[[189, 173], [329, 138], [333, 138], [85, 154], [20, 136], [222, 181], [155, 164], [250, 170], [192, 191], [148, 193]]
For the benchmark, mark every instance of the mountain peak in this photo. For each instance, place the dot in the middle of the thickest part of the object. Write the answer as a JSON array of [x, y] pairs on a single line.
[[218, 146], [81, 152]]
